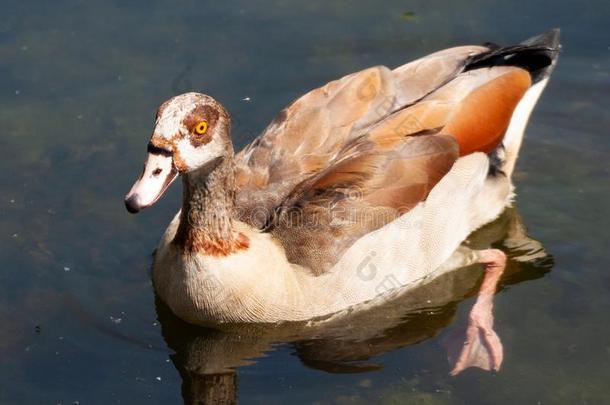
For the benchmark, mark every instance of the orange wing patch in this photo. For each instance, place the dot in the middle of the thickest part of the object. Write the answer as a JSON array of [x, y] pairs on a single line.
[[483, 116]]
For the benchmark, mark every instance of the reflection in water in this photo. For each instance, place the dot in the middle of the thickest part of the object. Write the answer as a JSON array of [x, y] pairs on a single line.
[[207, 358]]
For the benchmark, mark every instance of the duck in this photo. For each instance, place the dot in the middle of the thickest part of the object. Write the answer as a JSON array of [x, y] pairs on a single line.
[[368, 185]]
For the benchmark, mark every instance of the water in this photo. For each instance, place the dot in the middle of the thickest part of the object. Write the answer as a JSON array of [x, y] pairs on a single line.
[[79, 85]]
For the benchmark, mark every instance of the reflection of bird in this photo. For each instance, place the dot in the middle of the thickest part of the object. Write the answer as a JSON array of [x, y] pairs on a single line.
[[207, 358], [396, 167]]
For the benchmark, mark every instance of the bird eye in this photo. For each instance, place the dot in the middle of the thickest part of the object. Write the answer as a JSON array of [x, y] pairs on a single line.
[[201, 127]]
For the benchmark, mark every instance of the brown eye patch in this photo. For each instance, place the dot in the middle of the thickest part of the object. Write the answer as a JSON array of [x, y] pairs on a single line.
[[201, 113]]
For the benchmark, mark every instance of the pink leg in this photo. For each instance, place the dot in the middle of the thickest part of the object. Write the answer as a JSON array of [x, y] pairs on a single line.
[[481, 347]]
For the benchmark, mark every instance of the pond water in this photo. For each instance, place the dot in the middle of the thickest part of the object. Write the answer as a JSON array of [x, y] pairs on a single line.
[[80, 82]]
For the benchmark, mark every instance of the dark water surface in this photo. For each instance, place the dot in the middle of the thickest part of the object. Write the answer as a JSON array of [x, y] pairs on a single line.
[[79, 84]]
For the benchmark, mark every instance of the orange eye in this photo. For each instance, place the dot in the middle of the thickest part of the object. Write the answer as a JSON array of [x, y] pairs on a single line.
[[201, 128]]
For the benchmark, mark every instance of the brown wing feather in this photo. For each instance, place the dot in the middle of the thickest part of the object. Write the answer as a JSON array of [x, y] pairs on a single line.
[[307, 136], [304, 139], [364, 190]]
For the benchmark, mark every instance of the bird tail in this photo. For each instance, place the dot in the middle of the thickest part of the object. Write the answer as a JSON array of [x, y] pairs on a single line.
[[538, 55]]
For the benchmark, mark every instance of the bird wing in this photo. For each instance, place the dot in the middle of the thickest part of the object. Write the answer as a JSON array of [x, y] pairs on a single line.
[[306, 136]]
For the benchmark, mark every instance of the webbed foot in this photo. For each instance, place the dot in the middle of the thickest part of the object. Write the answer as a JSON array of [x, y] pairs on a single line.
[[479, 345]]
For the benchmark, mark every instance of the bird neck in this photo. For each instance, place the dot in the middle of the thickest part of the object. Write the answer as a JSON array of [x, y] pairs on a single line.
[[208, 209]]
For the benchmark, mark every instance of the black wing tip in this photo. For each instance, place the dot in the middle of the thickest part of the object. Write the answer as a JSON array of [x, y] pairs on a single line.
[[544, 46], [537, 55]]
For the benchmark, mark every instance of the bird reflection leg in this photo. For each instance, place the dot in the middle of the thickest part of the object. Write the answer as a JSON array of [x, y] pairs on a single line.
[[481, 347]]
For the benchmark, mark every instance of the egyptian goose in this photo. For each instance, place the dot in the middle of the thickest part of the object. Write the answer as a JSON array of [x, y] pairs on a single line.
[[363, 186]]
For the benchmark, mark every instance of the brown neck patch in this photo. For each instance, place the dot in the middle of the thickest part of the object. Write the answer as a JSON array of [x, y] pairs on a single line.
[[206, 221], [210, 245]]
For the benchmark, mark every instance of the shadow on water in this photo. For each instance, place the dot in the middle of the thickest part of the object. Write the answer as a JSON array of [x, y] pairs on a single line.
[[208, 358]]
